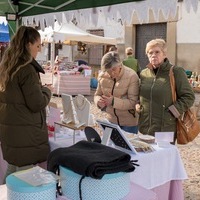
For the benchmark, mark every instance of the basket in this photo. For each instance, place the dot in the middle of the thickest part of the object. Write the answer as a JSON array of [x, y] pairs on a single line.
[[110, 187], [20, 190]]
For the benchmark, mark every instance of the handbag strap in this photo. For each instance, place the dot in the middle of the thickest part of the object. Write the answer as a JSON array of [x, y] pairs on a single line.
[[172, 83]]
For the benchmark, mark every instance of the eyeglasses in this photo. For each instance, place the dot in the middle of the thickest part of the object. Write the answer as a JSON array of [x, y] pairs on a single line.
[[151, 53]]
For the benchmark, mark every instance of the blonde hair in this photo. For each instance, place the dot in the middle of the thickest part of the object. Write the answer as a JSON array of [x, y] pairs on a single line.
[[109, 60], [17, 55], [129, 51], [156, 43]]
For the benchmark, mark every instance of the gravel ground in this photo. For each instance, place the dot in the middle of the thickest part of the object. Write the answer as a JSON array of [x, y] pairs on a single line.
[[190, 155]]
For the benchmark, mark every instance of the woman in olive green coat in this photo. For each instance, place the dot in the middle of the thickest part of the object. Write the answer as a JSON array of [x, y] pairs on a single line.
[[23, 129], [158, 113]]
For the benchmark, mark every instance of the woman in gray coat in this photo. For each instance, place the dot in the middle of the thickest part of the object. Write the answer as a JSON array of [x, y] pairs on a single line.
[[23, 129], [158, 113]]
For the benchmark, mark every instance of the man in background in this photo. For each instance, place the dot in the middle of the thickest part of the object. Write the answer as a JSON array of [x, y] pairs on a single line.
[[131, 61]]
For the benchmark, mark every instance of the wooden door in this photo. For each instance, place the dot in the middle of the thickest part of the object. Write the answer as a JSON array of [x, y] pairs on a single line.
[[145, 33]]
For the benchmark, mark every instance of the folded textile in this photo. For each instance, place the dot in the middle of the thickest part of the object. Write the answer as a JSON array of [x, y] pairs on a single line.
[[90, 159]]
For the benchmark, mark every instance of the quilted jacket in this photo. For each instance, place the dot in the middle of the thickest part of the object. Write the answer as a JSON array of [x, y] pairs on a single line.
[[23, 129], [125, 91], [156, 97]]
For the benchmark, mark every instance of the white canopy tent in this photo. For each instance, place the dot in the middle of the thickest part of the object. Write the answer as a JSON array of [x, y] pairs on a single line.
[[68, 33]]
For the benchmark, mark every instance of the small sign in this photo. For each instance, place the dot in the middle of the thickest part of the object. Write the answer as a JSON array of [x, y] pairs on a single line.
[[164, 136], [163, 139]]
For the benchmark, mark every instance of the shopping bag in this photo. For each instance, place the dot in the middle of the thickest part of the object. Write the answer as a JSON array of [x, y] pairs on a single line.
[[188, 127]]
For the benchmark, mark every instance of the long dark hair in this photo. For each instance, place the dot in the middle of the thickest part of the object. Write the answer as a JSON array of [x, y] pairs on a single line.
[[17, 54]]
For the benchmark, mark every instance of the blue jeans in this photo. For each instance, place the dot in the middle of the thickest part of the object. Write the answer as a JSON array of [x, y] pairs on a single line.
[[130, 129]]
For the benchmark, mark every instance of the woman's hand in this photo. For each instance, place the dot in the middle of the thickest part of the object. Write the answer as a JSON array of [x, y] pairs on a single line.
[[137, 108], [49, 86], [101, 104], [107, 99]]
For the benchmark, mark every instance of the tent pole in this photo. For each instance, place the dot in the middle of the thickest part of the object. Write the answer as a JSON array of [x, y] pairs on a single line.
[[52, 53], [72, 49], [52, 57]]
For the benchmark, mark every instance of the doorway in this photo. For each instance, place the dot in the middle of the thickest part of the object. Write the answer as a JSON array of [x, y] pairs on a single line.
[[145, 33]]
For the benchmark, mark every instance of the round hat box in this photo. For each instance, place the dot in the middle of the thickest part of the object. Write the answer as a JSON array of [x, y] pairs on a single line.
[[110, 187], [17, 189]]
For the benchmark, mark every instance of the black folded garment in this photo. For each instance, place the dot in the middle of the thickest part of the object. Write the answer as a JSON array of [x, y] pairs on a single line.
[[90, 159]]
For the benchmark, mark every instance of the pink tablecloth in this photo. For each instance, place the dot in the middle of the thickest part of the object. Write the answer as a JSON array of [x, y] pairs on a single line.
[[71, 84], [172, 190]]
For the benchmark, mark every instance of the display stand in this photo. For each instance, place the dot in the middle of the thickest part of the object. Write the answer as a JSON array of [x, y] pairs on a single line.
[[116, 135], [70, 126], [82, 108], [69, 111]]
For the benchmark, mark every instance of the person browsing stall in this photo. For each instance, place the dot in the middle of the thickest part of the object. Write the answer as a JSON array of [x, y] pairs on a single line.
[[23, 99], [157, 111], [130, 61], [117, 92]]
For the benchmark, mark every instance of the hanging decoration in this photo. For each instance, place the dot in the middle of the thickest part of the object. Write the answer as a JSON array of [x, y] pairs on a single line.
[[115, 12], [81, 47]]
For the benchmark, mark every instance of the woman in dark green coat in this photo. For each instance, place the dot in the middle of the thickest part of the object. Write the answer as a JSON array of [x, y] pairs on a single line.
[[23, 129], [158, 113]]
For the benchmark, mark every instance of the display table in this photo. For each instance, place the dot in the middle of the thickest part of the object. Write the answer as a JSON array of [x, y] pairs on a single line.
[[69, 126], [63, 82], [161, 171], [165, 164], [71, 84]]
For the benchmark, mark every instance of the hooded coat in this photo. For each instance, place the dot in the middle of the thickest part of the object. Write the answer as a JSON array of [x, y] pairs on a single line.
[[125, 90], [156, 98], [23, 129]]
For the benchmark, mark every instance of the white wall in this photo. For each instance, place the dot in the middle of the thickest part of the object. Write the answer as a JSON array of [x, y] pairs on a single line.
[[112, 28], [66, 51], [188, 26]]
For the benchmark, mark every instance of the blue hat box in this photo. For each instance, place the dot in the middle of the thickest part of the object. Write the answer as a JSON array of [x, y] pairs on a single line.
[[19, 190], [110, 187]]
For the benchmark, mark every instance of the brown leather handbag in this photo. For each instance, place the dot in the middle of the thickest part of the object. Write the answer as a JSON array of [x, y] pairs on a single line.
[[188, 127]]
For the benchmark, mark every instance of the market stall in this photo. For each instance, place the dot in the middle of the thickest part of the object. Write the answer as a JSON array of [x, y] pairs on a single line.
[[70, 34], [66, 76]]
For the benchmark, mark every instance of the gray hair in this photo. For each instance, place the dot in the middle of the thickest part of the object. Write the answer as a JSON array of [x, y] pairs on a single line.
[[109, 60]]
